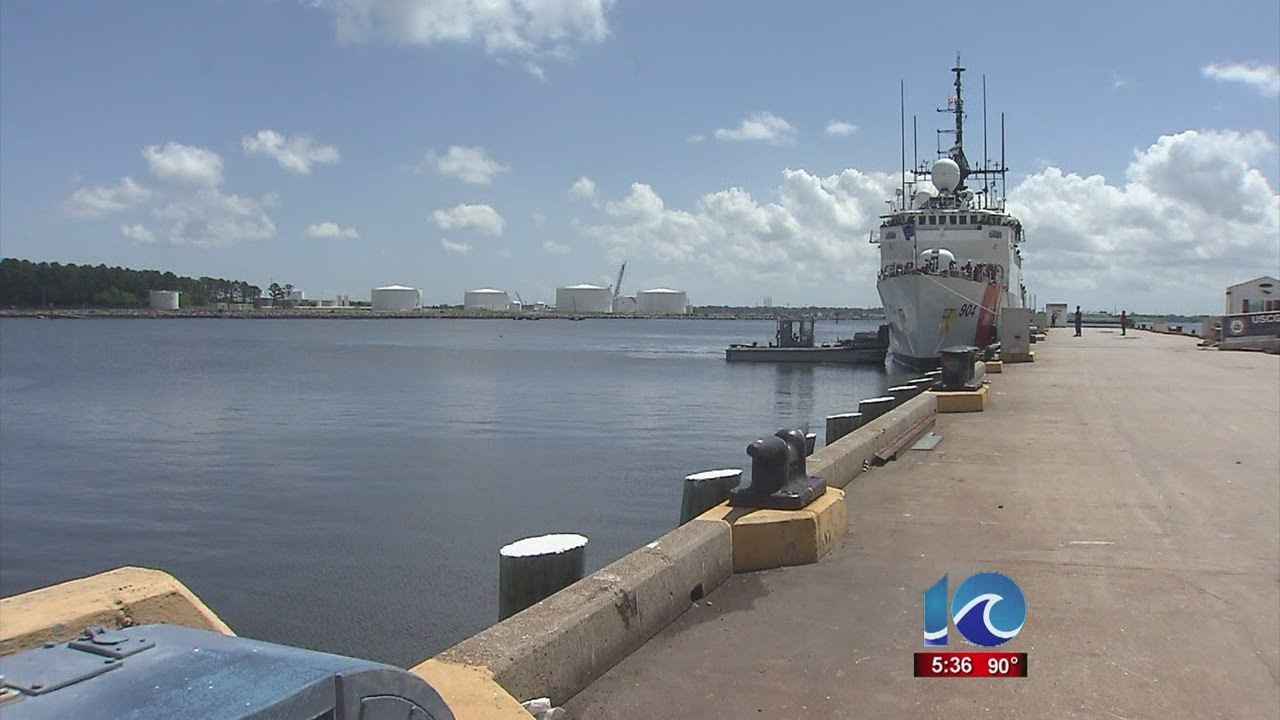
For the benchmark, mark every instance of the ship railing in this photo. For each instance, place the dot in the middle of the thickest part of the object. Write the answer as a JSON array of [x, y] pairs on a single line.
[[989, 273]]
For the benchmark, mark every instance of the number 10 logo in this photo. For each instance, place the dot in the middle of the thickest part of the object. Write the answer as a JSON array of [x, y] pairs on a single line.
[[988, 610]]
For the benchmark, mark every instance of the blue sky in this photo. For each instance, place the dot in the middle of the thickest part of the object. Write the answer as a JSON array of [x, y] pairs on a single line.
[[438, 143]]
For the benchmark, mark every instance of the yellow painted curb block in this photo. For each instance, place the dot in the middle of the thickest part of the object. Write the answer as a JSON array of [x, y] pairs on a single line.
[[766, 539], [1018, 357], [962, 401], [995, 367], [1040, 337], [470, 691], [117, 598]]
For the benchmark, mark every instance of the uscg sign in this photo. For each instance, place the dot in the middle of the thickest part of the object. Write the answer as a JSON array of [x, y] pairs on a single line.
[[1251, 325]]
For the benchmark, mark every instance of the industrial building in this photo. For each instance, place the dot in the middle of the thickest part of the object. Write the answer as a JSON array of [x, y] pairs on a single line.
[[164, 299], [1260, 294], [396, 297], [662, 301], [584, 298], [487, 299]]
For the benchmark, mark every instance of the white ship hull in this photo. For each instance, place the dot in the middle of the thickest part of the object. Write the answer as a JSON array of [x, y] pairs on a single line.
[[929, 312]]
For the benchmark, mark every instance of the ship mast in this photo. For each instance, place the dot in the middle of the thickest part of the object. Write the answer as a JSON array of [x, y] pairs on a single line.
[[957, 152]]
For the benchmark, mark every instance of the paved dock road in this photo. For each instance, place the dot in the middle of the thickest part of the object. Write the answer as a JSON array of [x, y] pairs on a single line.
[[1130, 486]]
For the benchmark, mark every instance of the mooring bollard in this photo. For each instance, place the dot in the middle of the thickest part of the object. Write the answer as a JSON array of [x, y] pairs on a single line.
[[705, 490], [810, 440], [872, 408], [958, 367], [840, 425], [535, 568], [924, 383], [778, 477]]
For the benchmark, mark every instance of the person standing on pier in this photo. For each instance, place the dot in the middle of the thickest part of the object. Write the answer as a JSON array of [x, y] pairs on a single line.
[[1124, 322], [1079, 318]]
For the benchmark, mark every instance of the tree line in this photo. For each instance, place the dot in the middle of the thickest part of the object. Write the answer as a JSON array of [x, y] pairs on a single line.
[[27, 284]]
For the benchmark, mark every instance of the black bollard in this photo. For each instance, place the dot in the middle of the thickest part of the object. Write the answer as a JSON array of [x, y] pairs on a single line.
[[535, 568], [778, 477], [705, 490]]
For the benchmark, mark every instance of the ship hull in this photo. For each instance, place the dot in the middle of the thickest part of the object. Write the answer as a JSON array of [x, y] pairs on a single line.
[[929, 312]]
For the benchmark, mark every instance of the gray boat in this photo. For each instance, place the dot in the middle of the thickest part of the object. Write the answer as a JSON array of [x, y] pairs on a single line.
[[794, 343]]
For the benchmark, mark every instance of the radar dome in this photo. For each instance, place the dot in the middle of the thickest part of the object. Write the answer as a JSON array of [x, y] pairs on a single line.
[[946, 175], [922, 196]]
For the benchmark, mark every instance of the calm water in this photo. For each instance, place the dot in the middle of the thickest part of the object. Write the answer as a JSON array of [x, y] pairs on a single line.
[[345, 485]]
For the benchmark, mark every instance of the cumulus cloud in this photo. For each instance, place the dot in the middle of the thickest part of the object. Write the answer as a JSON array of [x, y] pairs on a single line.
[[584, 189], [1263, 78], [468, 164], [329, 230], [211, 218], [1192, 214], [840, 128], [104, 200], [761, 127], [530, 28], [137, 233], [481, 218], [296, 154], [555, 248], [187, 204], [455, 248], [184, 164]]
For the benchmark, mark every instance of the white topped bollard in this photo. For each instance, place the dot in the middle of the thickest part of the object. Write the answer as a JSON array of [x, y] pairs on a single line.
[[535, 568], [810, 440], [872, 408], [842, 424], [705, 490]]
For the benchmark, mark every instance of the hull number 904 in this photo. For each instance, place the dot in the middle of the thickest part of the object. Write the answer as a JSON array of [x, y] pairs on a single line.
[[968, 309]]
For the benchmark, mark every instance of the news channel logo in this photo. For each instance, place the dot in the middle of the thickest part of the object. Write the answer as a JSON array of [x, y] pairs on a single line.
[[988, 610]]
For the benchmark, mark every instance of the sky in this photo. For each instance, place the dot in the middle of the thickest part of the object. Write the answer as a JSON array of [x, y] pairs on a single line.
[[736, 149]]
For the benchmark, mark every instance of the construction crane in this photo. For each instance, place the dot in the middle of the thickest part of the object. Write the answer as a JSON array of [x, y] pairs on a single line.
[[617, 287]]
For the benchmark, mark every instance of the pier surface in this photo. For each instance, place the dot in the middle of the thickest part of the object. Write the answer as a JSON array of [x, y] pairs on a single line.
[[1131, 486]]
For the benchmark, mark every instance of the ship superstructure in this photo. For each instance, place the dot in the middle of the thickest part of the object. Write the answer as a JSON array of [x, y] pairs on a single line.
[[950, 256]]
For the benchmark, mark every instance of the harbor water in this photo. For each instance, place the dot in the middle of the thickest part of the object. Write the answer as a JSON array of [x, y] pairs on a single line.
[[345, 485]]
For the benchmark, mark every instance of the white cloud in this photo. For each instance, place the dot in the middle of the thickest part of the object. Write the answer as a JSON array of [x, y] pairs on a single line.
[[481, 218], [765, 127], [188, 204], [104, 200], [535, 70], [840, 128], [329, 230], [455, 248], [210, 218], [296, 154], [1263, 78], [184, 164], [1193, 214], [137, 233], [468, 164], [520, 27], [555, 248], [584, 189]]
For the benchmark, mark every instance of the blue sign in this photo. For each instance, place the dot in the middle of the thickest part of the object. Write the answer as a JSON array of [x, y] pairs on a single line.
[[1251, 324], [988, 610]]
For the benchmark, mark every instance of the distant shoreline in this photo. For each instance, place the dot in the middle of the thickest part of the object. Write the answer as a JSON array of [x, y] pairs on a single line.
[[367, 314]]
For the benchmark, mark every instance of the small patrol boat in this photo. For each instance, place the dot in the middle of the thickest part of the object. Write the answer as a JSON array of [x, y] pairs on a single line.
[[794, 343]]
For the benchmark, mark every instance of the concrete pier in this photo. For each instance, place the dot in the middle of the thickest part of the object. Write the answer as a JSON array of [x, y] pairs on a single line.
[[1130, 486]]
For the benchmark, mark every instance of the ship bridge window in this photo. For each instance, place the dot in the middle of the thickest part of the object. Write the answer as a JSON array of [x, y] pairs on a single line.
[[994, 233], [890, 235], [933, 220], [953, 219]]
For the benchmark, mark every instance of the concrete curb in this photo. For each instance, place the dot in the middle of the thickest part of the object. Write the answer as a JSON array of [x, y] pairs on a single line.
[[117, 598], [563, 643], [844, 460]]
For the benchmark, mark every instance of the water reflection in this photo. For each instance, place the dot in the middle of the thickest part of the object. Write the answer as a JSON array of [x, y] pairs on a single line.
[[793, 393]]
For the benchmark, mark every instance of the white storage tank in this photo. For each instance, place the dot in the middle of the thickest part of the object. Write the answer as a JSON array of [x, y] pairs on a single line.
[[396, 297], [584, 298], [164, 299], [662, 301], [487, 299]]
